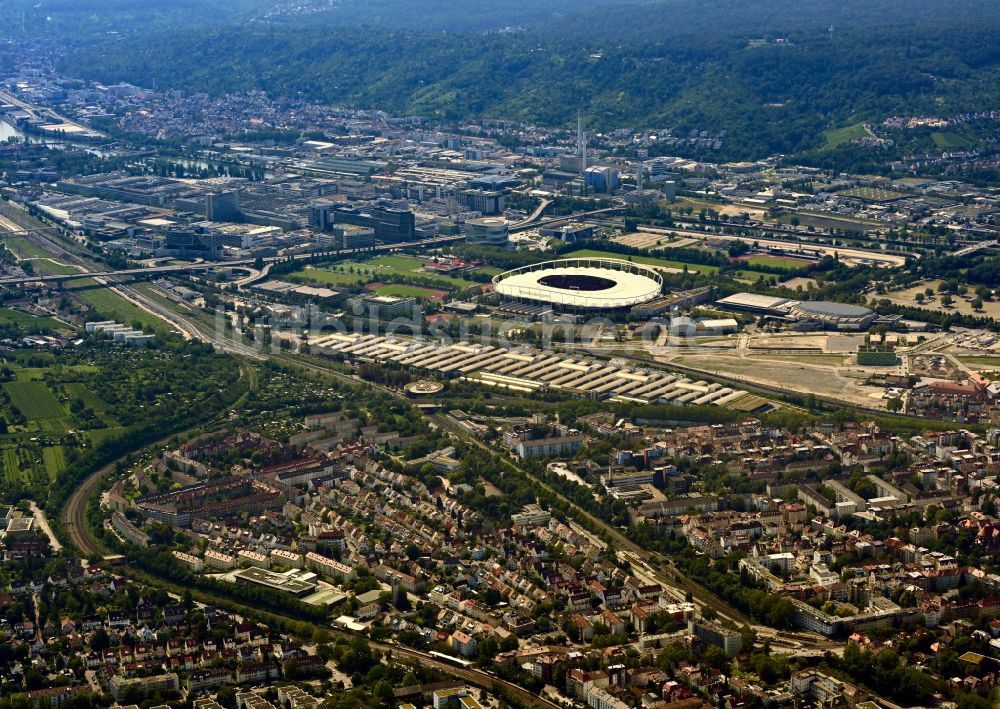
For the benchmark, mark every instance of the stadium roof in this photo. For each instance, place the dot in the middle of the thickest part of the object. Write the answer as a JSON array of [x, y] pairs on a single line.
[[584, 283], [830, 309], [754, 301]]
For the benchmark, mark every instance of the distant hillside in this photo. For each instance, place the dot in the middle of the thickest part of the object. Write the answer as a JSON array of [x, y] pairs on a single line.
[[457, 15], [685, 64], [72, 21], [76, 20]]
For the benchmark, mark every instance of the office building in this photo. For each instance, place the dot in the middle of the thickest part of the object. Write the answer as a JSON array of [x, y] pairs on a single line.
[[488, 231], [186, 242], [390, 224], [222, 206], [382, 307], [485, 202]]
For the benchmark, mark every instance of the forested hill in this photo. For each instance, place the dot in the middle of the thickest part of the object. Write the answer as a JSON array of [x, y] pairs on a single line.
[[768, 72]]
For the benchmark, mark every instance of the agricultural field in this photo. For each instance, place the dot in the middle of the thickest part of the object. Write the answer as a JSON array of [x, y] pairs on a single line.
[[113, 307], [56, 410], [86, 397], [948, 140], [646, 260], [34, 400], [23, 248], [841, 136], [55, 461]]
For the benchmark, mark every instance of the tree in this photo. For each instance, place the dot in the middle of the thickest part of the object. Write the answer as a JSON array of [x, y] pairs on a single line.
[[715, 656], [383, 692], [99, 640]]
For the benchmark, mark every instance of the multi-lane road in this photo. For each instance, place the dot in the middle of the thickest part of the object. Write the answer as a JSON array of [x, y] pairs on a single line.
[[74, 517], [196, 266]]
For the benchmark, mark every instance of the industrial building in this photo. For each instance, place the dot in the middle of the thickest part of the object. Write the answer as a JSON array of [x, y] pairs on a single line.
[[601, 179], [391, 225], [188, 242], [528, 369], [755, 303]]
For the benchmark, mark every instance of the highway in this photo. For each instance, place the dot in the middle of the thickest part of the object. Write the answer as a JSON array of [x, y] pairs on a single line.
[[205, 265], [973, 248], [534, 216], [528, 224]]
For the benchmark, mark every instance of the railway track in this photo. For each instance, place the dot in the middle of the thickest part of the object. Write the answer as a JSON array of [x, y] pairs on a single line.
[[74, 513]]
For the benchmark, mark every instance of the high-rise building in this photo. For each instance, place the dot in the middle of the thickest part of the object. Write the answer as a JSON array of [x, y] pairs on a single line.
[[222, 206], [186, 242], [390, 224], [485, 202], [394, 225], [321, 215]]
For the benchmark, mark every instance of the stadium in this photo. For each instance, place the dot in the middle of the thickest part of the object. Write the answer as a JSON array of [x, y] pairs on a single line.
[[583, 284]]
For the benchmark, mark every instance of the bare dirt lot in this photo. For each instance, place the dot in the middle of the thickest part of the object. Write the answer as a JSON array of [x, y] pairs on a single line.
[[794, 283], [821, 376]]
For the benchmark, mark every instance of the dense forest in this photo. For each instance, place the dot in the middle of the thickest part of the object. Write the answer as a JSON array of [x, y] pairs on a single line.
[[771, 75]]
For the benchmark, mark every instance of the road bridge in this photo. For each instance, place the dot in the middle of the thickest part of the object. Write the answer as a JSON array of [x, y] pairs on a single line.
[[210, 265]]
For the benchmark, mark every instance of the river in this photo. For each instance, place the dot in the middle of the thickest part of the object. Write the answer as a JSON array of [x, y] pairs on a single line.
[[8, 130]]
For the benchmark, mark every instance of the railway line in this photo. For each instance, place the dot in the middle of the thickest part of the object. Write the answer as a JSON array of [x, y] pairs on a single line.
[[73, 516]]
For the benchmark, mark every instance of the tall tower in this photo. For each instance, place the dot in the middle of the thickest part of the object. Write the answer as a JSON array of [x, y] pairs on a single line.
[[581, 142]]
